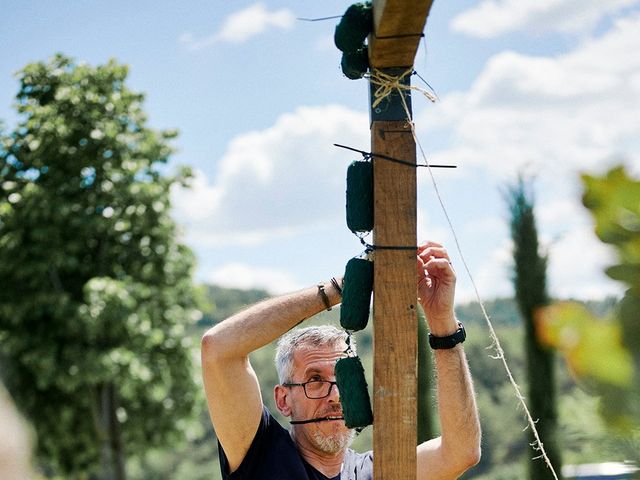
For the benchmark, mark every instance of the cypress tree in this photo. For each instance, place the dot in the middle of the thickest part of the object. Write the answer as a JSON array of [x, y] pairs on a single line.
[[529, 280]]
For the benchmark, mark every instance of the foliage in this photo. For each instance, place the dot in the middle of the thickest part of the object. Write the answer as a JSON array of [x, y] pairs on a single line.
[[605, 352], [96, 291], [531, 293]]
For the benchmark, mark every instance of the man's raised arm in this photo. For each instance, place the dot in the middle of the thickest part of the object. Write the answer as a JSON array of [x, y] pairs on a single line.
[[231, 386], [458, 448]]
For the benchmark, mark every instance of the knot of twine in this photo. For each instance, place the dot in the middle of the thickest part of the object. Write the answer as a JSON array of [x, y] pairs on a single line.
[[388, 83]]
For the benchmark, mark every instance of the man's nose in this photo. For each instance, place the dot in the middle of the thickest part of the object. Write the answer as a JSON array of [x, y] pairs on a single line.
[[334, 393]]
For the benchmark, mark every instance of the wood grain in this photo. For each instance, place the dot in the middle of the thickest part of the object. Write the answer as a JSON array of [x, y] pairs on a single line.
[[394, 310], [397, 19]]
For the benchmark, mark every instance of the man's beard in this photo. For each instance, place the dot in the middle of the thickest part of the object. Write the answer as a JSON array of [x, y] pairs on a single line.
[[333, 443], [337, 440]]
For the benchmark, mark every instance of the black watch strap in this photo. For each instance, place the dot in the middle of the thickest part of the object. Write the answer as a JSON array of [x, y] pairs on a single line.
[[450, 341]]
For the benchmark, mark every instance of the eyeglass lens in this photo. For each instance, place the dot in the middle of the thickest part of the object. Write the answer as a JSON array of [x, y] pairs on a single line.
[[317, 389]]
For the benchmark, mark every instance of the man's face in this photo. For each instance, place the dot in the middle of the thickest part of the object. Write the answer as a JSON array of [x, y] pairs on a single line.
[[318, 363]]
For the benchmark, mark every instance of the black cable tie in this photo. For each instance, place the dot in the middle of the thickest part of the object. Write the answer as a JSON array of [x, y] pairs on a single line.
[[370, 248], [403, 35], [368, 155], [318, 19], [393, 247]]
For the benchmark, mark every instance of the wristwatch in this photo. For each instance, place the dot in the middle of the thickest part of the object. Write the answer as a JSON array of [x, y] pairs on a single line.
[[450, 341]]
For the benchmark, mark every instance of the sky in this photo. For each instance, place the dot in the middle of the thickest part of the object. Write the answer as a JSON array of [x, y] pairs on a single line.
[[548, 89]]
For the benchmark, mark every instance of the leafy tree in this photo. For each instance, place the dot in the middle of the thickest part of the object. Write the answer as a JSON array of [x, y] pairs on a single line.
[[531, 293], [95, 289], [604, 353]]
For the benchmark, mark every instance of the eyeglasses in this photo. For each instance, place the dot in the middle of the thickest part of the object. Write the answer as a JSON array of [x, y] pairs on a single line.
[[314, 389]]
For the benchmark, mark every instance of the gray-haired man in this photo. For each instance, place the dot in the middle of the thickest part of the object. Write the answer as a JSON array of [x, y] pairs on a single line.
[[255, 446]]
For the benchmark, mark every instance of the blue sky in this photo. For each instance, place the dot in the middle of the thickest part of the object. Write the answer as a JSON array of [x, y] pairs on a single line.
[[546, 87]]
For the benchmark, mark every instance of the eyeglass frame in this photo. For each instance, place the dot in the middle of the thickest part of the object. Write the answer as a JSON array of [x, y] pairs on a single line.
[[304, 387]]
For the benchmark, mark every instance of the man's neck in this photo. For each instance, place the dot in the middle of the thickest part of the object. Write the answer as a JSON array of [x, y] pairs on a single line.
[[328, 464]]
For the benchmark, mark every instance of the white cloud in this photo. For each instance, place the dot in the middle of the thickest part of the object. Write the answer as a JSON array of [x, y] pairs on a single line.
[[577, 262], [238, 275], [561, 213], [427, 229], [575, 268], [491, 274], [491, 18], [275, 183], [242, 26], [554, 115]]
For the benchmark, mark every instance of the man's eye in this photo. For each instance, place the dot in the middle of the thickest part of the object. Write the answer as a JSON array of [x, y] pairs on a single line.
[[315, 378]]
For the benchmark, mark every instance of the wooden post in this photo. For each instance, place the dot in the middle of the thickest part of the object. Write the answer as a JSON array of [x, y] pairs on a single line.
[[394, 308], [398, 25]]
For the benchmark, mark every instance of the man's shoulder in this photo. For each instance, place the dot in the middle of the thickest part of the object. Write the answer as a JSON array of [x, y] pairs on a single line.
[[271, 455], [357, 465]]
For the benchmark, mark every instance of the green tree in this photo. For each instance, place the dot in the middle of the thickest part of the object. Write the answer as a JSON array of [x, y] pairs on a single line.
[[604, 353], [531, 293], [95, 289]]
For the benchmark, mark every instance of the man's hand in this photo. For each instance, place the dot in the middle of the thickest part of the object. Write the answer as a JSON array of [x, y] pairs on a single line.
[[436, 288]]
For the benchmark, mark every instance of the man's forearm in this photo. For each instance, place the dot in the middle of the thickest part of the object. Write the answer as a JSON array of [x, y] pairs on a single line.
[[457, 407], [265, 321]]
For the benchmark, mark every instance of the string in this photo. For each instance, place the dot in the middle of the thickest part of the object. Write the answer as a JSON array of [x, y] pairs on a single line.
[[387, 83], [538, 445]]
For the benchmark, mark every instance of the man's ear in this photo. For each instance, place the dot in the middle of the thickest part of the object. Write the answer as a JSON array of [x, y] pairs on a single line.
[[281, 395]]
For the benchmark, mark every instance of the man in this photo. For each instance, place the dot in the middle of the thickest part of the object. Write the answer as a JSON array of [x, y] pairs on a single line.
[[255, 446]]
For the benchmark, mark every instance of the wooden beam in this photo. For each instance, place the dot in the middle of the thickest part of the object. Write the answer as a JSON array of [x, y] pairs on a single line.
[[397, 29], [394, 311]]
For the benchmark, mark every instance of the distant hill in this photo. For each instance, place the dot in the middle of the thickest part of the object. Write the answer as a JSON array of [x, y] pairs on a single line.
[[504, 311], [501, 311], [224, 302]]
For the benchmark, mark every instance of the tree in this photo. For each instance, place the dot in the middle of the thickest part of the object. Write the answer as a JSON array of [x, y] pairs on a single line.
[[95, 289], [531, 294], [604, 353]]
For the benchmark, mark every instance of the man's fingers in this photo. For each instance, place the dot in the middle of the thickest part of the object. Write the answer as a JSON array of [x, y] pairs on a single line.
[[439, 267], [428, 244], [434, 252]]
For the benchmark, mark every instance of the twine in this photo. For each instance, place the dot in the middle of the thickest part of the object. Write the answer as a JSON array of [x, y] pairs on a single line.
[[386, 85]]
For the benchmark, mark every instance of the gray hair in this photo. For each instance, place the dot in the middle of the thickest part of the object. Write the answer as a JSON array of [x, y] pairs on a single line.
[[315, 336]]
